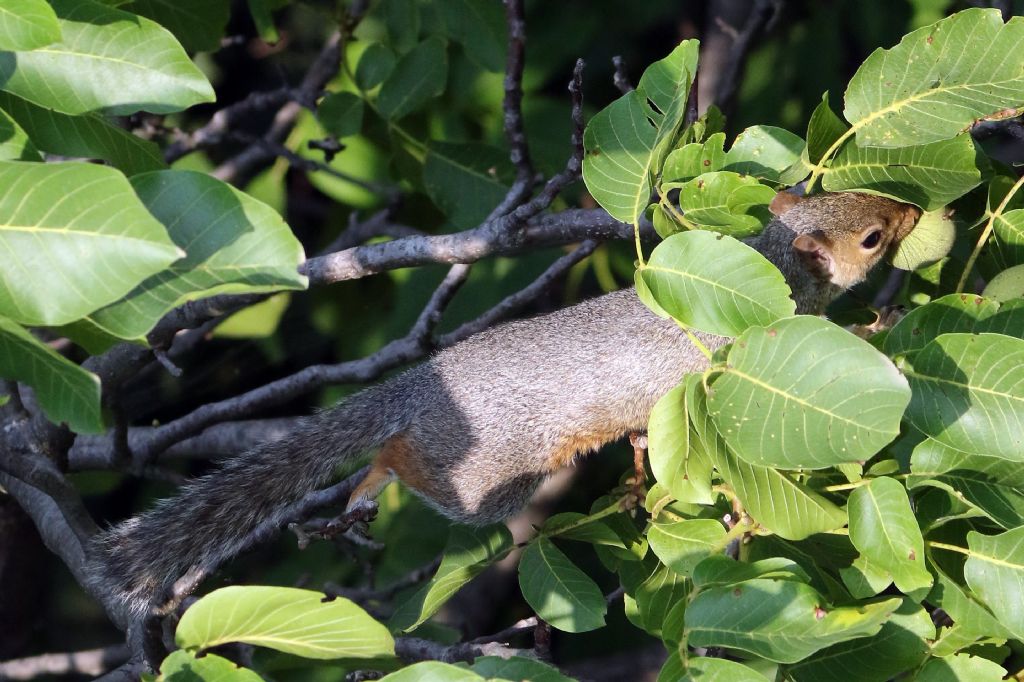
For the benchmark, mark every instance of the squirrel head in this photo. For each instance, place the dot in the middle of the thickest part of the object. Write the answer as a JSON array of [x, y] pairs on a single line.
[[840, 236]]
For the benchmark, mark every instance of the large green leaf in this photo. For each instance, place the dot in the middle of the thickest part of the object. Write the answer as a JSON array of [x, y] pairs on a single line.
[[995, 571], [89, 136], [899, 646], [234, 244], [929, 175], [287, 619], [516, 669], [971, 619], [341, 113], [804, 393], [781, 620], [466, 180], [968, 393], [716, 284], [14, 142], [419, 76], [953, 313], [719, 569], [27, 24], [75, 237], [627, 141], [991, 484], [185, 666], [823, 129], [961, 668], [469, 551], [938, 80], [1007, 246], [884, 529], [108, 60], [432, 671], [558, 590], [657, 604], [197, 24], [771, 497], [676, 460], [681, 545], [700, 669], [65, 391]]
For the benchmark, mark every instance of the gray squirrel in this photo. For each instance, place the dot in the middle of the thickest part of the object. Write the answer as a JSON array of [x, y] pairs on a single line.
[[476, 428]]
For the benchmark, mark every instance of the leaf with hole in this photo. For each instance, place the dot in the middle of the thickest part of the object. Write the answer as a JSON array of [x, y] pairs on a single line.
[[107, 60], [286, 619], [804, 393]]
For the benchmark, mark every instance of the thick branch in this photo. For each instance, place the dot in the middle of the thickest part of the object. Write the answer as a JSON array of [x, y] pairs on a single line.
[[92, 662]]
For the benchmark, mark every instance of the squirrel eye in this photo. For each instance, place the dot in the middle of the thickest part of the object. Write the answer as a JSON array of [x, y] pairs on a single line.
[[871, 241]]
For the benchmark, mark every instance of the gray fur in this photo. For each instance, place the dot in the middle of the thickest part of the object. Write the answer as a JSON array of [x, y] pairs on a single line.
[[484, 418]]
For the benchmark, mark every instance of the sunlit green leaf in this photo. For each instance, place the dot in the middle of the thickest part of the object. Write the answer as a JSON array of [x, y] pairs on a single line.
[[185, 666], [995, 571], [560, 593], [27, 24]]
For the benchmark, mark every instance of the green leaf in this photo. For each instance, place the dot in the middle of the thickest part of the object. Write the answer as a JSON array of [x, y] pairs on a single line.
[[376, 64], [419, 76], [108, 60], [694, 159], [27, 24], [682, 467], [950, 313], [884, 529], [716, 284], [659, 604], [1007, 285], [468, 552], [930, 175], [466, 180], [402, 22], [286, 619], [595, 532], [864, 579], [961, 668], [938, 81], [804, 393], [432, 671], [973, 619], [14, 143], [627, 141], [65, 391], [683, 544], [1007, 245], [771, 497], [899, 646], [767, 152], [929, 242], [995, 572], [709, 670], [184, 666], [516, 669], [781, 620], [560, 593], [79, 237], [197, 24], [88, 136], [234, 244], [993, 485], [968, 393], [341, 113], [719, 569], [479, 25], [823, 129], [263, 17], [726, 202]]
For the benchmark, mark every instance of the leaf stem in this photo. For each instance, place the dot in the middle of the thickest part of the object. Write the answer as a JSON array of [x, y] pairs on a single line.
[[695, 341], [986, 233], [676, 215], [948, 547], [639, 249], [819, 167], [847, 486]]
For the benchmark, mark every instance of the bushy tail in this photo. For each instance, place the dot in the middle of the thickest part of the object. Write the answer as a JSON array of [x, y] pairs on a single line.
[[208, 521]]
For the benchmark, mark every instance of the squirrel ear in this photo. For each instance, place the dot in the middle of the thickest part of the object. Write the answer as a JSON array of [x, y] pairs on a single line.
[[783, 201], [906, 222], [816, 256]]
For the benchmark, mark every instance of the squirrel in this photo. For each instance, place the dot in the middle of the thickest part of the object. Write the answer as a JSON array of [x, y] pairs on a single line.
[[476, 428]]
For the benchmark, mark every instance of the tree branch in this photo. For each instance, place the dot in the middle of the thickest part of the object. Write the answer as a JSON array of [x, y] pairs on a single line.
[[91, 662]]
